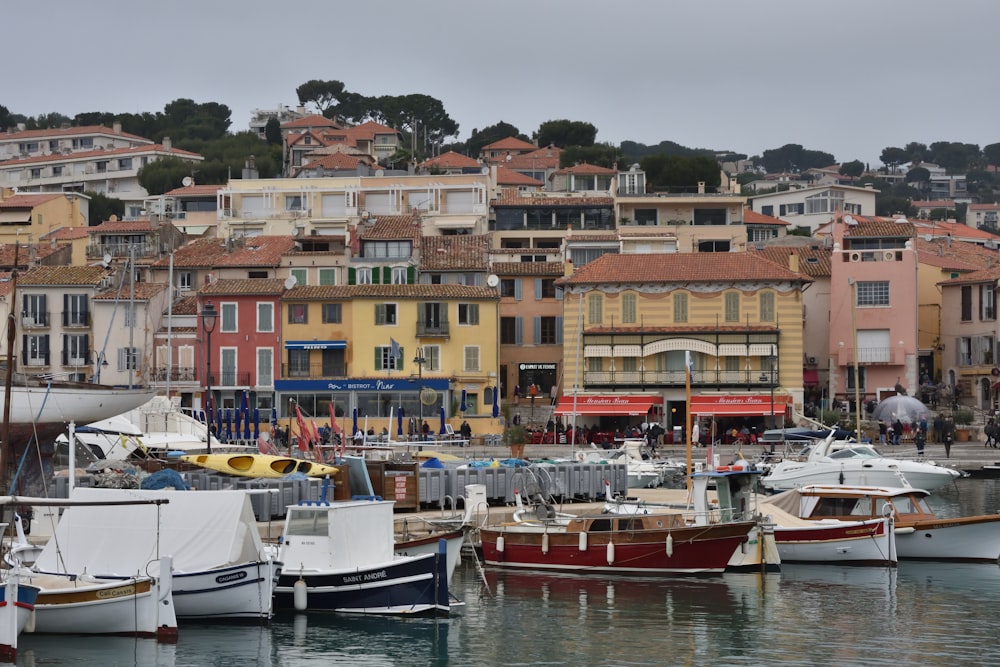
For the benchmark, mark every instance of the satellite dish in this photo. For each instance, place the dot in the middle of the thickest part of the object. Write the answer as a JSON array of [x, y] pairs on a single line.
[[428, 396], [290, 282], [850, 220], [107, 260], [492, 280], [187, 181], [380, 172], [485, 170]]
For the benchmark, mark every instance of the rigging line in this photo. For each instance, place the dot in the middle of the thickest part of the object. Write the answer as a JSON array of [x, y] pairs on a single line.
[[33, 438]]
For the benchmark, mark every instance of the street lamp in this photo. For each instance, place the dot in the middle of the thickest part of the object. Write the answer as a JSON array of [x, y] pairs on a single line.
[[419, 360], [772, 360], [208, 318]]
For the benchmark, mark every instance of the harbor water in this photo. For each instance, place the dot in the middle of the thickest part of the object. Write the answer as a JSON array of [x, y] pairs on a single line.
[[917, 614]]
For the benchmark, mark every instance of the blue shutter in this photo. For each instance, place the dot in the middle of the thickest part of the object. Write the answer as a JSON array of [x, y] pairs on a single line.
[[517, 289], [559, 330], [538, 289], [537, 324]]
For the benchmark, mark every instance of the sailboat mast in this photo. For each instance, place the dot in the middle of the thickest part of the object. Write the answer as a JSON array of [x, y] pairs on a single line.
[[6, 447], [854, 332]]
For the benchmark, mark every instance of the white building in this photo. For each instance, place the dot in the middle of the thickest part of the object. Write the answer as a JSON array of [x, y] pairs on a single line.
[[811, 207]]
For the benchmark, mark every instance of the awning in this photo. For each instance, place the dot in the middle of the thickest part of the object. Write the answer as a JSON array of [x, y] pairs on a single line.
[[612, 405], [315, 344], [810, 376], [738, 405], [15, 217]]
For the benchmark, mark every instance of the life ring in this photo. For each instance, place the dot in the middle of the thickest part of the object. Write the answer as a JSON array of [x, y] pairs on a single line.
[[723, 468]]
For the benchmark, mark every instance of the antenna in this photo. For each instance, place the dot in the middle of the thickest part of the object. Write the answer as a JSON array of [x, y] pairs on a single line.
[[290, 282]]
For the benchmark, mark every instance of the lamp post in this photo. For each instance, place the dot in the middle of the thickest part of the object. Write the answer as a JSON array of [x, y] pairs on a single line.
[[419, 360], [209, 316], [773, 361]]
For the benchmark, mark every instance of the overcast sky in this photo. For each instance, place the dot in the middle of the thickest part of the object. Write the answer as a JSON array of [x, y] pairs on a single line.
[[849, 77]]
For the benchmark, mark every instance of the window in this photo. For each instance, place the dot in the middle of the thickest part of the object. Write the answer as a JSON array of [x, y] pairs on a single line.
[[294, 203], [387, 249], [57, 171], [128, 358], [227, 323], [767, 210], [385, 361], [35, 311], [876, 293], [547, 331], [732, 305], [510, 287], [767, 306], [680, 307], [850, 377], [595, 364], [265, 367], [227, 364], [630, 364], [76, 349], [509, 330], [298, 363], [468, 314], [184, 280], [791, 209], [385, 314], [256, 275], [471, 357], [298, 313], [966, 302], [987, 302], [265, 317], [301, 276], [125, 163], [364, 276], [628, 309], [36, 172], [35, 350], [328, 276], [331, 313], [75, 310], [547, 288], [645, 217], [710, 216], [718, 245], [399, 275], [102, 166], [595, 309]]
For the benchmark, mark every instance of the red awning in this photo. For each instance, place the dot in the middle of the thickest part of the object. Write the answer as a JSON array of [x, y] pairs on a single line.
[[810, 376], [738, 405], [613, 405]]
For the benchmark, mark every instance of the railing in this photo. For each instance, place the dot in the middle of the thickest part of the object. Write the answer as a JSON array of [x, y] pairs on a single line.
[[439, 328], [231, 379], [890, 356], [122, 249], [316, 371], [754, 378], [34, 319], [76, 319], [176, 375]]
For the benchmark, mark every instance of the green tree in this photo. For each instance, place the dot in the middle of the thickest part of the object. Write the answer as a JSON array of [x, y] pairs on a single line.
[[918, 175], [323, 95], [488, 135], [272, 132], [6, 118], [893, 157], [165, 174], [679, 172], [854, 169], [793, 158], [563, 133], [422, 117], [47, 121], [601, 155], [103, 207], [991, 152], [105, 118], [917, 151], [955, 157]]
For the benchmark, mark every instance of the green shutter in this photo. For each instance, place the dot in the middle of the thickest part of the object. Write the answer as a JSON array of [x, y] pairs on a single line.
[[386, 275], [399, 360], [352, 276], [378, 358], [411, 275]]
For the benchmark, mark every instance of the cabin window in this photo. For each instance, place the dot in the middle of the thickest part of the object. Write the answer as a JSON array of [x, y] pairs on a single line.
[[307, 523]]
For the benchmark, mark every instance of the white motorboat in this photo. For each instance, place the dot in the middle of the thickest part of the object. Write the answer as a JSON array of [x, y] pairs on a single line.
[[831, 461], [221, 568], [920, 534]]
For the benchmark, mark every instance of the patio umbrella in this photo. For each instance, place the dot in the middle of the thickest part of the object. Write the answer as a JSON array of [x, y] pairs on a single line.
[[256, 423], [236, 422], [496, 402], [442, 431], [354, 429], [245, 409], [229, 425], [218, 423], [462, 408], [399, 423]]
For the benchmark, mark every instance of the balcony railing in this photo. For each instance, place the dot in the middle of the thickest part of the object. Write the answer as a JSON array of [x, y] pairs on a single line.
[[437, 328], [869, 356], [74, 319], [176, 375], [122, 249], [755, 379], [315, 371], [231, 379], [34, 319]]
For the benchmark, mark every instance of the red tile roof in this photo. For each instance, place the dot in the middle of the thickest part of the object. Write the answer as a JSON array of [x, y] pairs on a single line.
[[67, 234], [143, 292], [752, 217], [950, 254], [454, 253], [245, 286], [27, 252], [195, 191], [540, 158], [878, 227], [418, 292], [315, 120], [509, 144], [56, 133], [115, 226], [187, 305], [390, 227], [28, 200], [990, 275], [943, 203], [336, 161], [506, 176], [63, 275], [814, 260], [549, 269], [953, 229], [713, 267], [112, 152], [450, 160], [585, 168], [258, 251]]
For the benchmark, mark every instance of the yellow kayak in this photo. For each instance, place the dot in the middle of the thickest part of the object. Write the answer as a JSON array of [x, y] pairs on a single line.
[[259, 465]]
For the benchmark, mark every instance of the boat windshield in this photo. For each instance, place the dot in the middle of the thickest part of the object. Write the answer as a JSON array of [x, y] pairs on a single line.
[[856, 452], [306, 522], [911, 504]]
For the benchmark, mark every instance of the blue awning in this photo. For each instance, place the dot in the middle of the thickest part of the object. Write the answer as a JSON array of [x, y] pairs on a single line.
[[315, 344]]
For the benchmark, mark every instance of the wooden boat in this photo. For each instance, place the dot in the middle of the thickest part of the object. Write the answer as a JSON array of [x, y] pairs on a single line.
[[259, 465], [412, 542], [919, 532], [221, 568], [340, 556], [17, 604], [627, 544]]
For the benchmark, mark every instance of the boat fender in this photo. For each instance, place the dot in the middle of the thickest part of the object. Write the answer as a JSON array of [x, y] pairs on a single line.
[[583, 541], [545, 543], [300, 595], [611, 553], [670, 545], [722, 468], [500, 544], [906, 530]]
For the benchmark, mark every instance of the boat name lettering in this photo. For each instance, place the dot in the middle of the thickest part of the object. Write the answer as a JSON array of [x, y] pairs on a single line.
[[121, 591], [368, 576], [858, 531], [233, 576]]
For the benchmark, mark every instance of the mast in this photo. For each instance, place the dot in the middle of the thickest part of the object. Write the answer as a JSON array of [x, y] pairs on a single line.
[[854, 333], [6, 447]]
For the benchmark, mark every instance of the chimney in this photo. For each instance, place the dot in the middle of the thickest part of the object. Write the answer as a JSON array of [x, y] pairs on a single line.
[[701, 187], [793, 262], [116, 127], [167, 144]]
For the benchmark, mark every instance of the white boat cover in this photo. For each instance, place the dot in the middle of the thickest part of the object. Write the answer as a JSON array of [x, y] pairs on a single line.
[[202, 530]]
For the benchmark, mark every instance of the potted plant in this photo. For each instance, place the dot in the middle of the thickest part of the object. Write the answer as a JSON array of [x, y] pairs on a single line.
[[963, 420], [515, 436]]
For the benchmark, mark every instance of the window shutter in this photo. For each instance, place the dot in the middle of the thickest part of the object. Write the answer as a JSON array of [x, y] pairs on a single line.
[[386, 275], [65, 313], [518, 331], [378, 358], [379, 313], [559, 293], [559, 330], [517, 289], [538, 289], [24, 349], [400, 358], [537, 325], [86, 348], [411, 275], [352, 277], [65, 350], [43, 346]]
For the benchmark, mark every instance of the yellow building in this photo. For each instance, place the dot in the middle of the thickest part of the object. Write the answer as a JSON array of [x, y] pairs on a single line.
[[376, 348], [632, 321], [29, 217]]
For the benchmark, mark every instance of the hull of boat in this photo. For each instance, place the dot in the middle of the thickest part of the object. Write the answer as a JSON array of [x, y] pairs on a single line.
[[241, 592], [431, 544], [869, 542], [259, 466], [14, 615], [973, 539], [90, 606], [930, 479], [682, 550], [406, 586]]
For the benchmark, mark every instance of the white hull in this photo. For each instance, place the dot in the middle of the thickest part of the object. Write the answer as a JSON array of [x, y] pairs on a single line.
[[80, 403], [431, 547], [227, 593], [970, 541], [643, 479], [783, 479], [89, 606], [841, 542]]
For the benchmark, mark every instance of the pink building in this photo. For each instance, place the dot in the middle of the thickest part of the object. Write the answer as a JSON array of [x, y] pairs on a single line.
[[873, 308]]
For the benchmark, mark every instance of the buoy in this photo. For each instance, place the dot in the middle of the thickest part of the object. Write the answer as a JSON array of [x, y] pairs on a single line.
[[300, 596], [500, 544], [583, 541], [545, 543], [722, 468], [611, 553], [670, 545]]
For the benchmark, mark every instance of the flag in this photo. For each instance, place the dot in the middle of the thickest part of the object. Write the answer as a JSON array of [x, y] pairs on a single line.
[[333, 418], [304, 435], [265, 447], [394, 352], [689, 361]]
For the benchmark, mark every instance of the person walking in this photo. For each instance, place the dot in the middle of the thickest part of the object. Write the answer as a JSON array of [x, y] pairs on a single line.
[[938, 428], [948, 435]]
